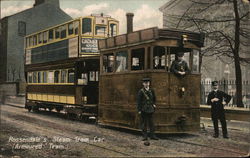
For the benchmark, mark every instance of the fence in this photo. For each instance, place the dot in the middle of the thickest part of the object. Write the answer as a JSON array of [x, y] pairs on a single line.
[[228, 86]]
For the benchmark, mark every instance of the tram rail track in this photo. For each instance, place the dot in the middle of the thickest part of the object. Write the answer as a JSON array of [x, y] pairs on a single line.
[[21, 117]]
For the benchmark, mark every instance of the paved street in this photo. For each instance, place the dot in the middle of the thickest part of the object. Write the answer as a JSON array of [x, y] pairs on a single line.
[[47, 134]]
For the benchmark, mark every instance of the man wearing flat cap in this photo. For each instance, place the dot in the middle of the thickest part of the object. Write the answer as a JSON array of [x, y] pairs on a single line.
[[146, 107], [179, 66], [217, 99]]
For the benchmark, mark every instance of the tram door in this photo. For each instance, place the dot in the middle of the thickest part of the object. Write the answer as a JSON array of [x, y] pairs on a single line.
[[87, 81]]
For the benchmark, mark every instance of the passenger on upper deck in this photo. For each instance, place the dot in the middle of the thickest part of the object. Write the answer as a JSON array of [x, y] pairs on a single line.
[[179, 66]]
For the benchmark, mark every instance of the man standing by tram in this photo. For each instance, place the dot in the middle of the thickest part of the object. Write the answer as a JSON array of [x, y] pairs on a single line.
[[217, 99], [146, 107]]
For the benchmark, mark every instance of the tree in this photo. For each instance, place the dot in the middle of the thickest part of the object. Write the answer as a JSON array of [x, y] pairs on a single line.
[[226, 24]]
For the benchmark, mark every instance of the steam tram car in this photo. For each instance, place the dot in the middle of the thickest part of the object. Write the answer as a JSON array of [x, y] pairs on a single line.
[[106, 85]]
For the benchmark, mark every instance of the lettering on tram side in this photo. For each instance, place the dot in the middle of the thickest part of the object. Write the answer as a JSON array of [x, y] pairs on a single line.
[[89, 45], [55, 143]]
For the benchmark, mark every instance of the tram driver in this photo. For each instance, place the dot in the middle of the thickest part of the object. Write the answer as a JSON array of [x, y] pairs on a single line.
[[179, 66]]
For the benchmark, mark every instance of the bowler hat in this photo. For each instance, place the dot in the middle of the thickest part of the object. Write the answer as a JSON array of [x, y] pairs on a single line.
[[146, 79], [215, 83]]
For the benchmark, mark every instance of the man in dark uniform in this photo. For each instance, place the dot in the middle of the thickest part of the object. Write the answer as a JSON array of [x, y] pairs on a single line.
[[179, 66], [217, 99], [146, 107]]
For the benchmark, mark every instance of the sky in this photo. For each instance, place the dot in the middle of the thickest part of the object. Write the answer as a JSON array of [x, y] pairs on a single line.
[[146, 12]]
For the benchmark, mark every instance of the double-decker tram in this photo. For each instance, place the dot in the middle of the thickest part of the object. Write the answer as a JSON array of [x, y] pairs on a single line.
[[126, 59], [62, 65]]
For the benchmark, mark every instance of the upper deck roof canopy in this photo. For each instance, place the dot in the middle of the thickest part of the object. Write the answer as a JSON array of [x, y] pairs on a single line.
[[169, 37]]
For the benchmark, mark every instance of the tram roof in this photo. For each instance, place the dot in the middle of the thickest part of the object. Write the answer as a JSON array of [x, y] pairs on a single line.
[[174, 37]]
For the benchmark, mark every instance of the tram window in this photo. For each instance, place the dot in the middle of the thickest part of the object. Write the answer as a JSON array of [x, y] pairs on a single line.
[[195, 61], [51, 34], [76, 27], [108, 63], [70, 28], [186, 57], [51, 77], [63, 76], [112, 30], [44, 76], [45, 36], [86, 26], [159, 58], [56, 76], [57, 32], [29, 77], [92, 76], [31, 41], [71, 76], [34, 77], [63, 31], [137, 56], [100, 30], [121, 61], [40, 38], [39, 77], [34, 40]]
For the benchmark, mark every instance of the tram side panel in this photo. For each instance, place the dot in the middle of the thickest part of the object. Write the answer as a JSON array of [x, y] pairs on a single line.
[[177, 110], [117, 106]]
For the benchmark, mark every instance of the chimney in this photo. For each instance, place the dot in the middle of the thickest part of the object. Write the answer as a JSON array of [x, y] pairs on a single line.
[[129, 22]]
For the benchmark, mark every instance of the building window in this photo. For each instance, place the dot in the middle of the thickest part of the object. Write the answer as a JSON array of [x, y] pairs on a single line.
[[137, 58], [21, 28], [86, 26], [121, 61]]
